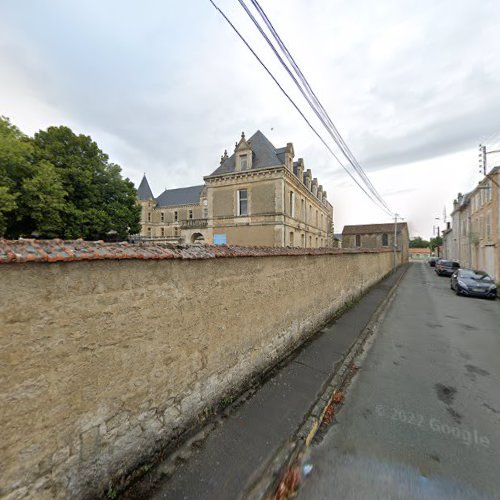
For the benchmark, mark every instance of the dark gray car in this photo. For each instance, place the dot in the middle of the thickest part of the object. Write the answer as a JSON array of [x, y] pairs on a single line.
[[473, 283]]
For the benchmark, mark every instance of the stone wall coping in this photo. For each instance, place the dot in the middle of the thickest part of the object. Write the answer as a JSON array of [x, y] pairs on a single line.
[[22, 251]]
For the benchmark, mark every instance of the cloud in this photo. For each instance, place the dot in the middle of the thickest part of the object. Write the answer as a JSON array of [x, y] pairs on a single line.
[[165, 87]]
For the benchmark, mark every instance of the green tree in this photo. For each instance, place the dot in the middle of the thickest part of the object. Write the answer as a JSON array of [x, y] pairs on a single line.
[[15, 165], [98, 199], [59, 184], [42, 202], [435, 242], [418, 242], [7, 205]]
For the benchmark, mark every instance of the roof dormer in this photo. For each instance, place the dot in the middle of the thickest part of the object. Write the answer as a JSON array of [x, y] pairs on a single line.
[[243, 154]]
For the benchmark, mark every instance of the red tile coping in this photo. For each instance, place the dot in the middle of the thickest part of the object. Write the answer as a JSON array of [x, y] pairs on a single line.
[[18, 251]]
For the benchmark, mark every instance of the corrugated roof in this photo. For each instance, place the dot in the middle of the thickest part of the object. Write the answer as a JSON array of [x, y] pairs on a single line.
[[182, 196], [38, 251], [264, 155], [373, 228], [144, 191]]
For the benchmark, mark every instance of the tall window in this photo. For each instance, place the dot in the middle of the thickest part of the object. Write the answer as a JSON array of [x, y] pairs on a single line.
[[292, 204], [176, 216], [316, 219], [302, 240], [242, 202], [291, 238], [385, 240], [303, 212], [162, 231], [244, 162], [358, 240], [190, 214], [162, 216], [149, 216]]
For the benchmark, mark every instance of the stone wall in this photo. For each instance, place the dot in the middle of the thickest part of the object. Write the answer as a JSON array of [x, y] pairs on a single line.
[[105, 360]]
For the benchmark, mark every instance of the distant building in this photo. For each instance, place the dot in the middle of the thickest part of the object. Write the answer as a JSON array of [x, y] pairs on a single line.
[[258, 196], [337, 238], [419, 253], [377, 236]]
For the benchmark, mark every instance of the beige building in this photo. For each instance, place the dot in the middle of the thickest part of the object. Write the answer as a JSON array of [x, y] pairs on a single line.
[[258, 196], [476, 226], [377, 236]]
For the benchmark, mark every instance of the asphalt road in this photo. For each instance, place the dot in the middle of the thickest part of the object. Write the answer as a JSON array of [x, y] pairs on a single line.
[[421, 418]]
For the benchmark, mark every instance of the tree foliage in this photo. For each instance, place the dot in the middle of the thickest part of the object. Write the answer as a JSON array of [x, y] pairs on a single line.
[[418, 242], [435, 242], [60, 184]]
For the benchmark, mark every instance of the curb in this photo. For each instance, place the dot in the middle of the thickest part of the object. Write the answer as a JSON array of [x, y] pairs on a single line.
[[291, 451]]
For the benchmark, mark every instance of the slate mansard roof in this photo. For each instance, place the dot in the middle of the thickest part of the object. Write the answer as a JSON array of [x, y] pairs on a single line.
[[170, 197], [181, 196], [264, 155], [372, 228]]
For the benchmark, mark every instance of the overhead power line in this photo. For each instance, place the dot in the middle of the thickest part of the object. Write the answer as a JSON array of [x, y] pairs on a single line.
[[311, 97], [374, 200]]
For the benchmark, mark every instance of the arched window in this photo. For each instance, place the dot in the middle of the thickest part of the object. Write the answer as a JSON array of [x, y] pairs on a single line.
[[385, 240]]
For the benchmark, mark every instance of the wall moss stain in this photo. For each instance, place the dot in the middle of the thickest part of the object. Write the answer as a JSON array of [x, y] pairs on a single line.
[[107, 359]]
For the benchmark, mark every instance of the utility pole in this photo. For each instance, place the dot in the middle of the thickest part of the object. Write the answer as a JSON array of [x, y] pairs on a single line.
[[482, 159], [438, 234], [396, 217]]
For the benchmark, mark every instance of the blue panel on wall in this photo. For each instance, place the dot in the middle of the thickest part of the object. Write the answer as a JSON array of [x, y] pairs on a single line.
[[220, 239]]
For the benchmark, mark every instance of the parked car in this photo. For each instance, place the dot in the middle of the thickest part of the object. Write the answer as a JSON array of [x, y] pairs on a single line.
[[432, 261], [445, 267], [474, 283]]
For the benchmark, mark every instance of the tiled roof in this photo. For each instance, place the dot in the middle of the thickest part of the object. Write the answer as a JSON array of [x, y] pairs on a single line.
[[264, 155], [181, 196], [78, 250], [372, 228], [144, 191], [420, 250]]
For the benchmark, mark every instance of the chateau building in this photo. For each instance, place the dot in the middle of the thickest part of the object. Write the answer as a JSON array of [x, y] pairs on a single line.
[[258, 196]]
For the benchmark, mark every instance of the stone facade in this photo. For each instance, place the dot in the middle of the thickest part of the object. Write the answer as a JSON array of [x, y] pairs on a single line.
[[476, 226], [258, 196], [104, 361], [377, 236]]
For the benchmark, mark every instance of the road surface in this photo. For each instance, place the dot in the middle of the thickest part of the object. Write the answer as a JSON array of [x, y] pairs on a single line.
[[421, 418]]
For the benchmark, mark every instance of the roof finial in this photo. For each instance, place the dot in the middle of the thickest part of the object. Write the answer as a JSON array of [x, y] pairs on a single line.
[[243, 135]]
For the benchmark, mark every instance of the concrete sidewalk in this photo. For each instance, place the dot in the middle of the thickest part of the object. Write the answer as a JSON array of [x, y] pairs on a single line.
[[238, 448]]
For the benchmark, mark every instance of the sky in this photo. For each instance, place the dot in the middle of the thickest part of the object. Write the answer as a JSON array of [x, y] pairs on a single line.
[[164, 87]]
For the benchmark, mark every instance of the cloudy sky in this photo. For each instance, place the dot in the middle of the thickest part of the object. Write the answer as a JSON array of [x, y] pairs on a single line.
[[165, 86]]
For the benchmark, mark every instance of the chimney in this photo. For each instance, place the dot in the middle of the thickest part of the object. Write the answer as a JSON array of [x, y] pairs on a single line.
[[307, 178], [314, 186]]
